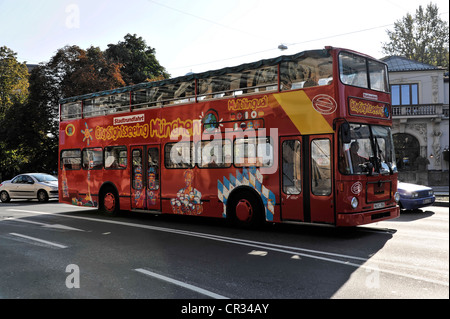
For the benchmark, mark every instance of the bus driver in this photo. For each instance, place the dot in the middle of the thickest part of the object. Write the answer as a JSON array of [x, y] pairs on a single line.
[[357, 160]]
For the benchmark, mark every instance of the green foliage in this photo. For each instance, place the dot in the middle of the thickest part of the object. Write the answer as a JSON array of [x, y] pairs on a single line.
[[29, 123], [139, 63], [74, 71], [11, 161], [13, 80], [423, 38]]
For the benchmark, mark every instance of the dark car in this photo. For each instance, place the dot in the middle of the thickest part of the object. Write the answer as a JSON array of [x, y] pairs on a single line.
[[38, 186], [414, 196]]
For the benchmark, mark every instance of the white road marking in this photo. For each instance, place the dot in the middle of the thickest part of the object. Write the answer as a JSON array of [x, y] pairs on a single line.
[[56, 226], [258, 253], [181, 284], [268, 246], [39, 240]]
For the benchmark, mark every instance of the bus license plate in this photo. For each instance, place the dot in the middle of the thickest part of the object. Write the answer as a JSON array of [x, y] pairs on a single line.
[[378, 205]]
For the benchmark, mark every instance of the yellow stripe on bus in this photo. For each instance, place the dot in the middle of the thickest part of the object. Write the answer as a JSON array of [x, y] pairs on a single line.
[[300, 110]]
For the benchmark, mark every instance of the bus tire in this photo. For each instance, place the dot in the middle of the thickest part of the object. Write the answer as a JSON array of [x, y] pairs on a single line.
[[245, 209], [109, 202]]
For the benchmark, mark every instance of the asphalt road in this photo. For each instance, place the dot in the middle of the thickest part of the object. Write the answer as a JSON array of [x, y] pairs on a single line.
[[59, 251]]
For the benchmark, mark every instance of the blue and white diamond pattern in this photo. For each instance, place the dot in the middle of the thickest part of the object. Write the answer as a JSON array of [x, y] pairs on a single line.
[[253, 178]]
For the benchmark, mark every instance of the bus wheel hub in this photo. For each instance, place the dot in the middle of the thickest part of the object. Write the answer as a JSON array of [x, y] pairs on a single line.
[[244, 210], [109, 202]]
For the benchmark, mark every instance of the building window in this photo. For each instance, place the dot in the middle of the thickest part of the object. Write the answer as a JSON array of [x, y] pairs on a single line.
[[405, 94]]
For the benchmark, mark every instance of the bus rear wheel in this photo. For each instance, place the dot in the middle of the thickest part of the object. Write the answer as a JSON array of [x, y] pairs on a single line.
[[245, 209], [109, 202]]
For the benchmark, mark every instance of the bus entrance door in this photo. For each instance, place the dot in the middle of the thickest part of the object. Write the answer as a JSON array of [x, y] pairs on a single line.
[[145, 178], [306, 178], [291, 179], [320, 204]]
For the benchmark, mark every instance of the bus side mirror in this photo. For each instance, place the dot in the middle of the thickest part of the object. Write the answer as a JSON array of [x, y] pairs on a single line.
[[345, 133]]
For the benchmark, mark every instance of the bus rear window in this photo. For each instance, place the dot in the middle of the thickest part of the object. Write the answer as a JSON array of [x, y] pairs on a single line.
[[71, 159]]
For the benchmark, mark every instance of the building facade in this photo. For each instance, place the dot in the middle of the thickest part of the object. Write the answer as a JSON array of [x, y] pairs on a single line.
[[420, 100]]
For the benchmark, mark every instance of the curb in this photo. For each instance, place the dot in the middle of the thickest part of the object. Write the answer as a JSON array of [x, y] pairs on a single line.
[[441, 204]]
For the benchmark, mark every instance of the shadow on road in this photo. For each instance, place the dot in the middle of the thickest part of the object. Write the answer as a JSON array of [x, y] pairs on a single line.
[[302, 261], [413, 215]]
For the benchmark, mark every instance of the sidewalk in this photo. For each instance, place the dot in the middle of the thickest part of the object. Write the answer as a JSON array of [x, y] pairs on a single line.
[[442, 195], [440, 190]]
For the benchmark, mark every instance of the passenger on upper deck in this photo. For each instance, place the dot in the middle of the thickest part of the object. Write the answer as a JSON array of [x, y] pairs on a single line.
[[313, 80]]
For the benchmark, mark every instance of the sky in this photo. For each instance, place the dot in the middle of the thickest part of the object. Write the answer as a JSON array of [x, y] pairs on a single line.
[[201, 35]]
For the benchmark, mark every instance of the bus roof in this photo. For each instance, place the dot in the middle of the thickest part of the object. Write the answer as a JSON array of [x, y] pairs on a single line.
[[203, 75]]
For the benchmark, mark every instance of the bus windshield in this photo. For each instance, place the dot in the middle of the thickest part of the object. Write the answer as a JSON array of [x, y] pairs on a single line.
[[368, 151], [359, 71]]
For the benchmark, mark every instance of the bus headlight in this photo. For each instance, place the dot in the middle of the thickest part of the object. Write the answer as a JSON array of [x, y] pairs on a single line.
[[397, 197], [354, 202]]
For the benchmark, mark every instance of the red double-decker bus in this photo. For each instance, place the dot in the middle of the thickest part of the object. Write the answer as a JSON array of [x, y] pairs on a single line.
[[300, 138]]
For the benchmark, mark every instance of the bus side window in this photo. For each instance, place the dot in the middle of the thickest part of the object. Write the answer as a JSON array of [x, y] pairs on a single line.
[[216, 153], [257, 152], [92, 158], [179, 155], [116, 157]]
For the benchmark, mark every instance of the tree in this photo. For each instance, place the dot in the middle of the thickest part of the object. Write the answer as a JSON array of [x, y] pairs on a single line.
[[29, 123], [13, 93], [13, 80], [423, 38], [93, 73], [139, 63], [29, 132], [71, 71], [74, 71]]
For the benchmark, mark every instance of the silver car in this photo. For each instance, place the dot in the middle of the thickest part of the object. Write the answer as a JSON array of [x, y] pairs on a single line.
[[38, 186]]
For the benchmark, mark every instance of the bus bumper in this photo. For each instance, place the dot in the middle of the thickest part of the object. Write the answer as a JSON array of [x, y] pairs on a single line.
[[363, 218]]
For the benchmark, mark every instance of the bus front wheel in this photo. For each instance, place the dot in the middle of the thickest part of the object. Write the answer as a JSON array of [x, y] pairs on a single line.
[[109, 202]]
